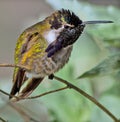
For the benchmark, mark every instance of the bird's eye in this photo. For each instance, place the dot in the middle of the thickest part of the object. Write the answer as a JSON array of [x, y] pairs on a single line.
[[66, 26]]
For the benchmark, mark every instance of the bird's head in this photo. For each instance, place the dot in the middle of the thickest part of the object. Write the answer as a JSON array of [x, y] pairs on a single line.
[[64, 19], [64, 29], [59, 22]]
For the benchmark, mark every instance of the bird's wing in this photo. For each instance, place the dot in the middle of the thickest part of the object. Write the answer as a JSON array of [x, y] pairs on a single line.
[[27, 46]]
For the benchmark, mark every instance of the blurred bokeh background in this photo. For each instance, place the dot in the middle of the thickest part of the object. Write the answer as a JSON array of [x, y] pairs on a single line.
[[95, 44]]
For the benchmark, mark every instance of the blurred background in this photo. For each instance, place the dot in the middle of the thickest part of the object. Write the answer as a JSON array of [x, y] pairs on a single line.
[[96, 43]]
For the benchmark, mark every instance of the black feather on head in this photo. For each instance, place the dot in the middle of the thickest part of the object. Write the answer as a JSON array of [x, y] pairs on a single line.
[[70, 17]]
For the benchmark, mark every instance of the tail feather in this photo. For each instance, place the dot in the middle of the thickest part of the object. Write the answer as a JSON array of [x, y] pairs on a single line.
[[18, 80], [27, 88]]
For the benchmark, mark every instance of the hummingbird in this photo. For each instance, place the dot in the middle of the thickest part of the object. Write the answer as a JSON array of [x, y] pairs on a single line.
[[45, 48]]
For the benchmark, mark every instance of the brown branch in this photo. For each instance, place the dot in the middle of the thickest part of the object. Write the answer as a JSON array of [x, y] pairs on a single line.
[[69, 85], [88, 97], [46, 93]]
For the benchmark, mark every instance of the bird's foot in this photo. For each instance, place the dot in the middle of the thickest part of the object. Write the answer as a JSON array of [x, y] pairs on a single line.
[[51, 76]]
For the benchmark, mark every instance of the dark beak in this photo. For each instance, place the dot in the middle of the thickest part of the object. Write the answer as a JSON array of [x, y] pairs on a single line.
[[97, 22]]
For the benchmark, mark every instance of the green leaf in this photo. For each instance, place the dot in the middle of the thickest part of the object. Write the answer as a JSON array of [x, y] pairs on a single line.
[[110, 65]]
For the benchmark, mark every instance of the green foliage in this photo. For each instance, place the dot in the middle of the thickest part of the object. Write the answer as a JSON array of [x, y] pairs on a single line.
[[109, 66], [110, 37]]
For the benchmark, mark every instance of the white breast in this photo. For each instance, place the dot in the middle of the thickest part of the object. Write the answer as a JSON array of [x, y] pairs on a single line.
[[52, 34]]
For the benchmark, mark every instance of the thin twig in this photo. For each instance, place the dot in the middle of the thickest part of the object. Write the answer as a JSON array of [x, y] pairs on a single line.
[[8, 94], [14, 65], [89, 97], [37, 96], [26, 117], [46, 93], [70, 86], [4, 92], [2, 119]]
